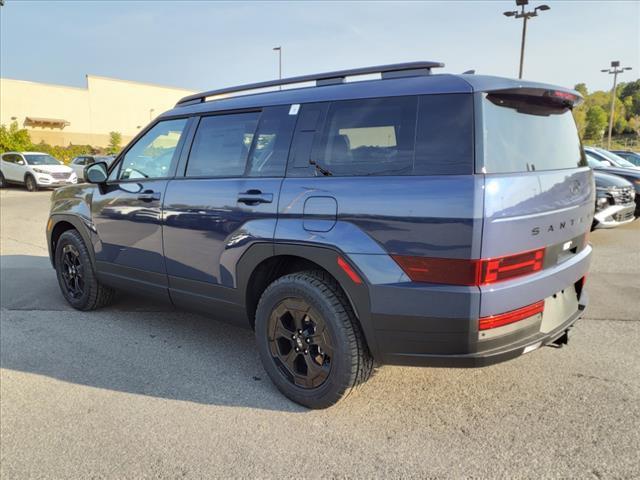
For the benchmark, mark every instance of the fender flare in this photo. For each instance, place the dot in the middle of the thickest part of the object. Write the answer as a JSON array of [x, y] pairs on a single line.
[[80, 225], [324, 256]]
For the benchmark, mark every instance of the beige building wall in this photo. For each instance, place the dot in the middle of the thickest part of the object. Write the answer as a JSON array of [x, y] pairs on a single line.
[[106, 105]]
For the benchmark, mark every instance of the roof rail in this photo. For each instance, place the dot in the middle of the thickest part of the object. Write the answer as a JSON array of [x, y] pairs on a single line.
[[394, 70]]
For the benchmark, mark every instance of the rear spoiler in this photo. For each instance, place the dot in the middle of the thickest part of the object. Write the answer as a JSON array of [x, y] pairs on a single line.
[[554, 96]]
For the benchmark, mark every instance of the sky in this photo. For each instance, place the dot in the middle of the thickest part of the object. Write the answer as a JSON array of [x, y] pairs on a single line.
[[203, 45]]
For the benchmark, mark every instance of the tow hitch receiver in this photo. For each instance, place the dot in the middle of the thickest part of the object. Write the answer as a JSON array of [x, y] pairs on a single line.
[[561, 340]]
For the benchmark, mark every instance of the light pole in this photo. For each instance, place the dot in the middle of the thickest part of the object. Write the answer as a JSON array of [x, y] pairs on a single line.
[[525, 16], [614, 70], [279, 50]]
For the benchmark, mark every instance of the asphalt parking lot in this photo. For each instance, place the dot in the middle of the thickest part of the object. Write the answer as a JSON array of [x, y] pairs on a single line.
[[139, 390]]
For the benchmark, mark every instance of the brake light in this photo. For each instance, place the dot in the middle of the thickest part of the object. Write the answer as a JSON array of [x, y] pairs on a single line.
[[494, 321], [504, 268], [453, 271]]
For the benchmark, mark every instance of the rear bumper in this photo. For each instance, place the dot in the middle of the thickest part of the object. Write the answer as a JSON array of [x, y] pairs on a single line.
[[437, 325], [495, 355]]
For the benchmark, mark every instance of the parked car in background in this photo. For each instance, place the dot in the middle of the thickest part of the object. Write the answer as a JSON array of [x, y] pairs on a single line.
[[614, 201], [633, 157], [347, 221], [630, 174], [79, 163], [610, 158], [34, 170]]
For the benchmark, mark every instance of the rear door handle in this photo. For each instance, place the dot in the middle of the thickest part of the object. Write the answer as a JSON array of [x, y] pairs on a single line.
[[253, 197], [149, 196]]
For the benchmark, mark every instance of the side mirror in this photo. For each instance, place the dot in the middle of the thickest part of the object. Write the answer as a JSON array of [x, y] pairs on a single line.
[[20, 162], [96, 173], [607, 163]]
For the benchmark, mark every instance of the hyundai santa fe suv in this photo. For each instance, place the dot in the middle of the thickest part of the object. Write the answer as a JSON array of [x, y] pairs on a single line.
[[416, 219]]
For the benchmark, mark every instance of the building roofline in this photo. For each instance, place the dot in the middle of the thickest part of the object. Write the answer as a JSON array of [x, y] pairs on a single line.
[[86, 87], [135, 82]]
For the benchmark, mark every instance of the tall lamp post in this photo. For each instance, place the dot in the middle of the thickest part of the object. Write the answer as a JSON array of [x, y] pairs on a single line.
[[614, 70], [279, 50], [525, 16]]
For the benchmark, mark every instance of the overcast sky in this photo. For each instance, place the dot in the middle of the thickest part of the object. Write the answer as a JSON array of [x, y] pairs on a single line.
[[204, 45]]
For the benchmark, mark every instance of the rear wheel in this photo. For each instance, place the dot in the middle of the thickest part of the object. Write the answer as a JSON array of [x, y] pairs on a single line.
[[309, 340], [76, 277], [31, 183], [3, 182]]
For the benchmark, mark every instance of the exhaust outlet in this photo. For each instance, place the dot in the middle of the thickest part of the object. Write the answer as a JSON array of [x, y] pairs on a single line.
[[561, 340]]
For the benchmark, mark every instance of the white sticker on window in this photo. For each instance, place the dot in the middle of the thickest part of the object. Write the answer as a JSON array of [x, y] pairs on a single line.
[[294, 109]]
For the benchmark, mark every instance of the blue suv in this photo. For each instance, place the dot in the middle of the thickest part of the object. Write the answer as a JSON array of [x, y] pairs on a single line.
[[415, 219]]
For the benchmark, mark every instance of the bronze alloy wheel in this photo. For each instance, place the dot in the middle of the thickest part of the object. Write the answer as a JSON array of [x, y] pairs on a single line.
[[299, 343]]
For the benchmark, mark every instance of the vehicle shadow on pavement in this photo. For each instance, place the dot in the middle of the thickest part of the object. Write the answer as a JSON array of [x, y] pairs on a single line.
[[135, 347]]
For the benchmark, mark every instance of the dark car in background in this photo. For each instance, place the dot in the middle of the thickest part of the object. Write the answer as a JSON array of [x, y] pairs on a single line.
[[615, 203], [416, 219], [629, 156], [632, 175], [609, 158]]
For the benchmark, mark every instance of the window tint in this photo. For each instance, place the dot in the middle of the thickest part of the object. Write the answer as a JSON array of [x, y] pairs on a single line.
[[369, 137], [526, 134], [79, 161], [270, 149], [38, 159], [153, 155], [444, 139], [221, 145]]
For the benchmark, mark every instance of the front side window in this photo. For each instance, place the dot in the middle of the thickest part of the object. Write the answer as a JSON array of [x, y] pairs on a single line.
[[153, 155], [37, 159], [369, 137], [221, 145]]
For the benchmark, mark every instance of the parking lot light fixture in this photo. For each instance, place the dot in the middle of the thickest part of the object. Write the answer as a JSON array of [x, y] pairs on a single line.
[[614, 70], [525, 16]]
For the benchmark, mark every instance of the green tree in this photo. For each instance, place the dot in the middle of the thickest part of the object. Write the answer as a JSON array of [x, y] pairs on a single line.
[[14, 138], [582, 89], [596, 123], [115, 141]]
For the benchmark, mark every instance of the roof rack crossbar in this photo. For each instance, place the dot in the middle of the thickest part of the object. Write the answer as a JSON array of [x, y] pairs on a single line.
[[328, 78]]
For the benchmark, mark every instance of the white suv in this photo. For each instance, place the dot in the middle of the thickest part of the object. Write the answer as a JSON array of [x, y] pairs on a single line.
[[34, 170]]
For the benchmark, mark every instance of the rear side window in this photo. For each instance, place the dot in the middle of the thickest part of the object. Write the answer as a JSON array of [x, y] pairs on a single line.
[[369, 137], [444, 138], [527, 134], [221, 145], [417, 135]]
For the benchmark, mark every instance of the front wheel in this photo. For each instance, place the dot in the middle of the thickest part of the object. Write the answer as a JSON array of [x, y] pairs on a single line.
[[31, 184], [309, 339], [76, 277]]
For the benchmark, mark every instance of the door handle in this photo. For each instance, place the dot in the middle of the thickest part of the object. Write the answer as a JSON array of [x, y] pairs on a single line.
[[149, 196], [254, 197]]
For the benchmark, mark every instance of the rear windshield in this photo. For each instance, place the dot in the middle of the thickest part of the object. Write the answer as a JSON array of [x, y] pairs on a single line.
[[527, 134]]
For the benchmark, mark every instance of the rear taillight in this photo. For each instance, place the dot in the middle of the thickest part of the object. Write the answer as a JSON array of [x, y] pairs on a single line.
[[494, 321], [511, 266], [453, 271]]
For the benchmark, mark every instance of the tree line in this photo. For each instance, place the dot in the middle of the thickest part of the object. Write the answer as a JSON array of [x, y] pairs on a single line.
[[16, 139], [592, 117]]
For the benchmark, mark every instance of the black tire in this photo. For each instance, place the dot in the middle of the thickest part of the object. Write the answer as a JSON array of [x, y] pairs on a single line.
[[30, 183], [349, 365], [73, 268], [3, 182]]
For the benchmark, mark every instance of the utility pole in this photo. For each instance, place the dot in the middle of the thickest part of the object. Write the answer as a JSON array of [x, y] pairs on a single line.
[[614, 70], [525, 16], [279, 50]]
